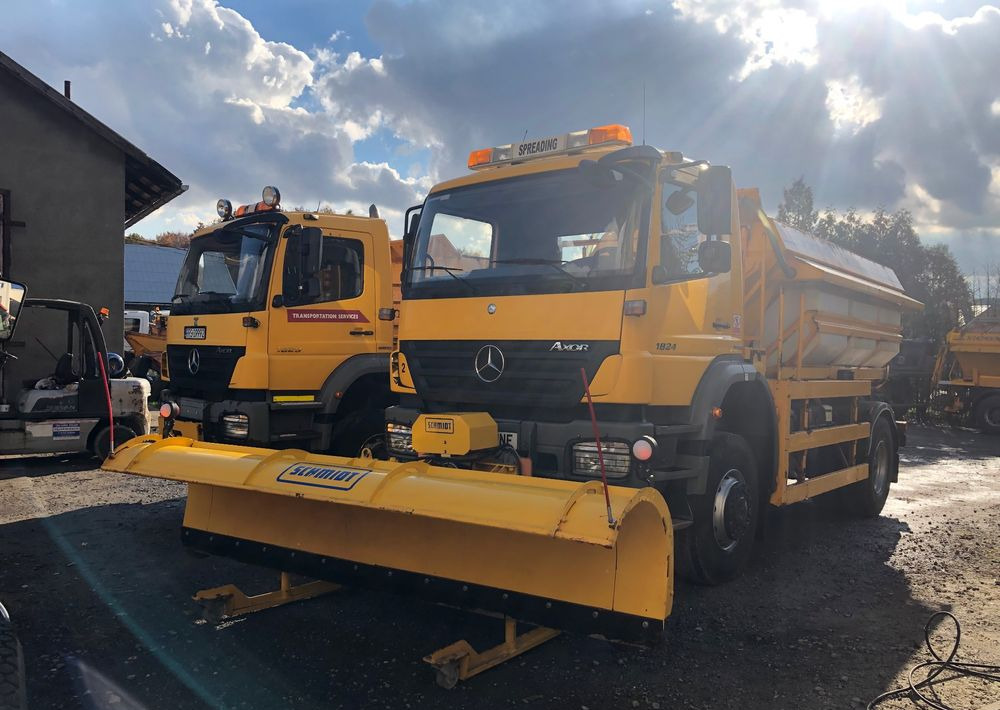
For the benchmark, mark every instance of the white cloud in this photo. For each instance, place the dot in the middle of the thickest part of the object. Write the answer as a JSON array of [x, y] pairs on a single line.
[[851, 105], [873, 104], [775, 34]]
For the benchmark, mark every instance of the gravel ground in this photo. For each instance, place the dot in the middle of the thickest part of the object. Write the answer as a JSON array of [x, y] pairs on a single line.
[[830, 613]]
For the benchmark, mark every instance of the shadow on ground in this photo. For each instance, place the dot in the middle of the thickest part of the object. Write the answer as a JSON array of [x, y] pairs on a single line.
[[102, 599], [36, 466]]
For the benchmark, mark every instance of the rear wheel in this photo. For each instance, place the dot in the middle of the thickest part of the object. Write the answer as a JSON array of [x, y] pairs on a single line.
[[865, 499], [986, 415], [717, 546]]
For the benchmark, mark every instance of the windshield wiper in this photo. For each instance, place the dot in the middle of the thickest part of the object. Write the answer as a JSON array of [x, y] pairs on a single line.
[[450, 271], [557, 265]]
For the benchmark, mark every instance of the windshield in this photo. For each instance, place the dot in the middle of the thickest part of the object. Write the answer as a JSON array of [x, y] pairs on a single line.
[[225, 271], [548, 233]]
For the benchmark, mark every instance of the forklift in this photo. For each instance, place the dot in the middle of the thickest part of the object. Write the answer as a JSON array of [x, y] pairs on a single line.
[[83, 401]]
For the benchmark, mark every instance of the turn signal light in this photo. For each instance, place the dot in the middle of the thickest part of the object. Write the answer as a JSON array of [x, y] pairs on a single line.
[[635, 308]]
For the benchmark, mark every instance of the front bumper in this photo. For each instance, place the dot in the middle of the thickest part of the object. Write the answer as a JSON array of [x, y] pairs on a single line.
[[549, 445], [268, 423]]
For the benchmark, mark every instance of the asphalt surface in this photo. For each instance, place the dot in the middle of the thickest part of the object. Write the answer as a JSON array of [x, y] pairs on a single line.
[[830, 613]]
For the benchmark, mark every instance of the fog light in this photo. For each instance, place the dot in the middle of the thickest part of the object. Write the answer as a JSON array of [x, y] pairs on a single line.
[[235, 426], [644, 448], [616, 459], [400, 438]]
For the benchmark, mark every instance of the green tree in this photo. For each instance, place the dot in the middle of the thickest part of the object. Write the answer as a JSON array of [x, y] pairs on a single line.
[[136, 238], [796, 209]]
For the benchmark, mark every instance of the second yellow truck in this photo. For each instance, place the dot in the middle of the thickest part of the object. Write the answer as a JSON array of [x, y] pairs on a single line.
[[281, 328]]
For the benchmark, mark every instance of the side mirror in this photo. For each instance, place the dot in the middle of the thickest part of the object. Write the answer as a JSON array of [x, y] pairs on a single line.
[[11, 297], [715, 257], [413, 225], [715, 201], [310, 252]]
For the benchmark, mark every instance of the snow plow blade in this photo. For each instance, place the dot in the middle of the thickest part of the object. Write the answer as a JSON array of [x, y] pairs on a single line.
[[539, 550]]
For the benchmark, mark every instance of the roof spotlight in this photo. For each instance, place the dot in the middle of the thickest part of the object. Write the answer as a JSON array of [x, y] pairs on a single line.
[[224, 208], [270, 196]]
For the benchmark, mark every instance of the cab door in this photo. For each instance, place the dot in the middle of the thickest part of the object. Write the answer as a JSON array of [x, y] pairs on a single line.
[[327, 308]]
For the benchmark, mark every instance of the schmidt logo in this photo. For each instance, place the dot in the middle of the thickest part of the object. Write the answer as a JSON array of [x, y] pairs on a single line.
[[340, 478]]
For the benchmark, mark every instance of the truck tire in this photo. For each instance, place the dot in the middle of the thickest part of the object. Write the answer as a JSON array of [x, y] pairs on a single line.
[[12, 691], [100, 443], [354, 429], [717, 545], [865, 499], [986, 414]]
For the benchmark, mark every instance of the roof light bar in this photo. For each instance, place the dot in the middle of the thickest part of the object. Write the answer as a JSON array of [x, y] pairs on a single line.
[[613, 134]]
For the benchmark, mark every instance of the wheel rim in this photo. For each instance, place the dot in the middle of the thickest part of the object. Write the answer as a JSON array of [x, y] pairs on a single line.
[[730, 510], [880, 468]]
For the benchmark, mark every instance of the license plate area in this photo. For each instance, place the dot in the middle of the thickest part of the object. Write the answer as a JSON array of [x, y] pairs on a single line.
[[195, 332]]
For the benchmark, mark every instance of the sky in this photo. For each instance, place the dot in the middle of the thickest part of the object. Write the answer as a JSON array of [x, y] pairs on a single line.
[[892, 103]]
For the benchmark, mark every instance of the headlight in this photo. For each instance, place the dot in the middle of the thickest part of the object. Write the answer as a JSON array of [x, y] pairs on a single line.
[[235, 426], [400, 438], [617, 459]]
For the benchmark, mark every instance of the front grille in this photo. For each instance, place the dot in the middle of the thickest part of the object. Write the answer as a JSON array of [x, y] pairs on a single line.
[[537, 373], [216, 364]]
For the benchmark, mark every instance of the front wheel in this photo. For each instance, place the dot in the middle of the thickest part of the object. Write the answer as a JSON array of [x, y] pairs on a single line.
[[12, 686], [100, 446], [717, 546]]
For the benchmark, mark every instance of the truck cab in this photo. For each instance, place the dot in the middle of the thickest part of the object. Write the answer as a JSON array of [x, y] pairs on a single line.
[[281, 328], [527, 272]]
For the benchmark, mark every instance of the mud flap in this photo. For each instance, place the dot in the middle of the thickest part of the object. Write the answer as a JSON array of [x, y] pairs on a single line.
[[535, 549]]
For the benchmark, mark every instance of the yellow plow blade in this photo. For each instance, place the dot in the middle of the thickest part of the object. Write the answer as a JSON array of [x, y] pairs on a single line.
[[535, 549]]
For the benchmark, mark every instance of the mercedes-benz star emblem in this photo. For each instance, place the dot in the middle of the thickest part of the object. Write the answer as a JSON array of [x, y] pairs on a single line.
[[489, 363], [491, 309], [194, 361]]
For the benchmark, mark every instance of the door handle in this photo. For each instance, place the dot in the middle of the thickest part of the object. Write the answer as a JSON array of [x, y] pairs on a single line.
[[362, 332]]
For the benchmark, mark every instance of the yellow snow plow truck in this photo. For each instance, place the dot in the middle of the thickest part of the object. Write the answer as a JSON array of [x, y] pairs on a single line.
[[599, 344], [281, 328], [967, 372]]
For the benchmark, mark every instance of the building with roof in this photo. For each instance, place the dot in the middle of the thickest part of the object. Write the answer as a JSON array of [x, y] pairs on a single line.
[[151, 275], [69, 187]]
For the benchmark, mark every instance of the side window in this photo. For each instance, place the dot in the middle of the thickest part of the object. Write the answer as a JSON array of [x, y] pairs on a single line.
[[340, 275], [340, 272], [680, 236]]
